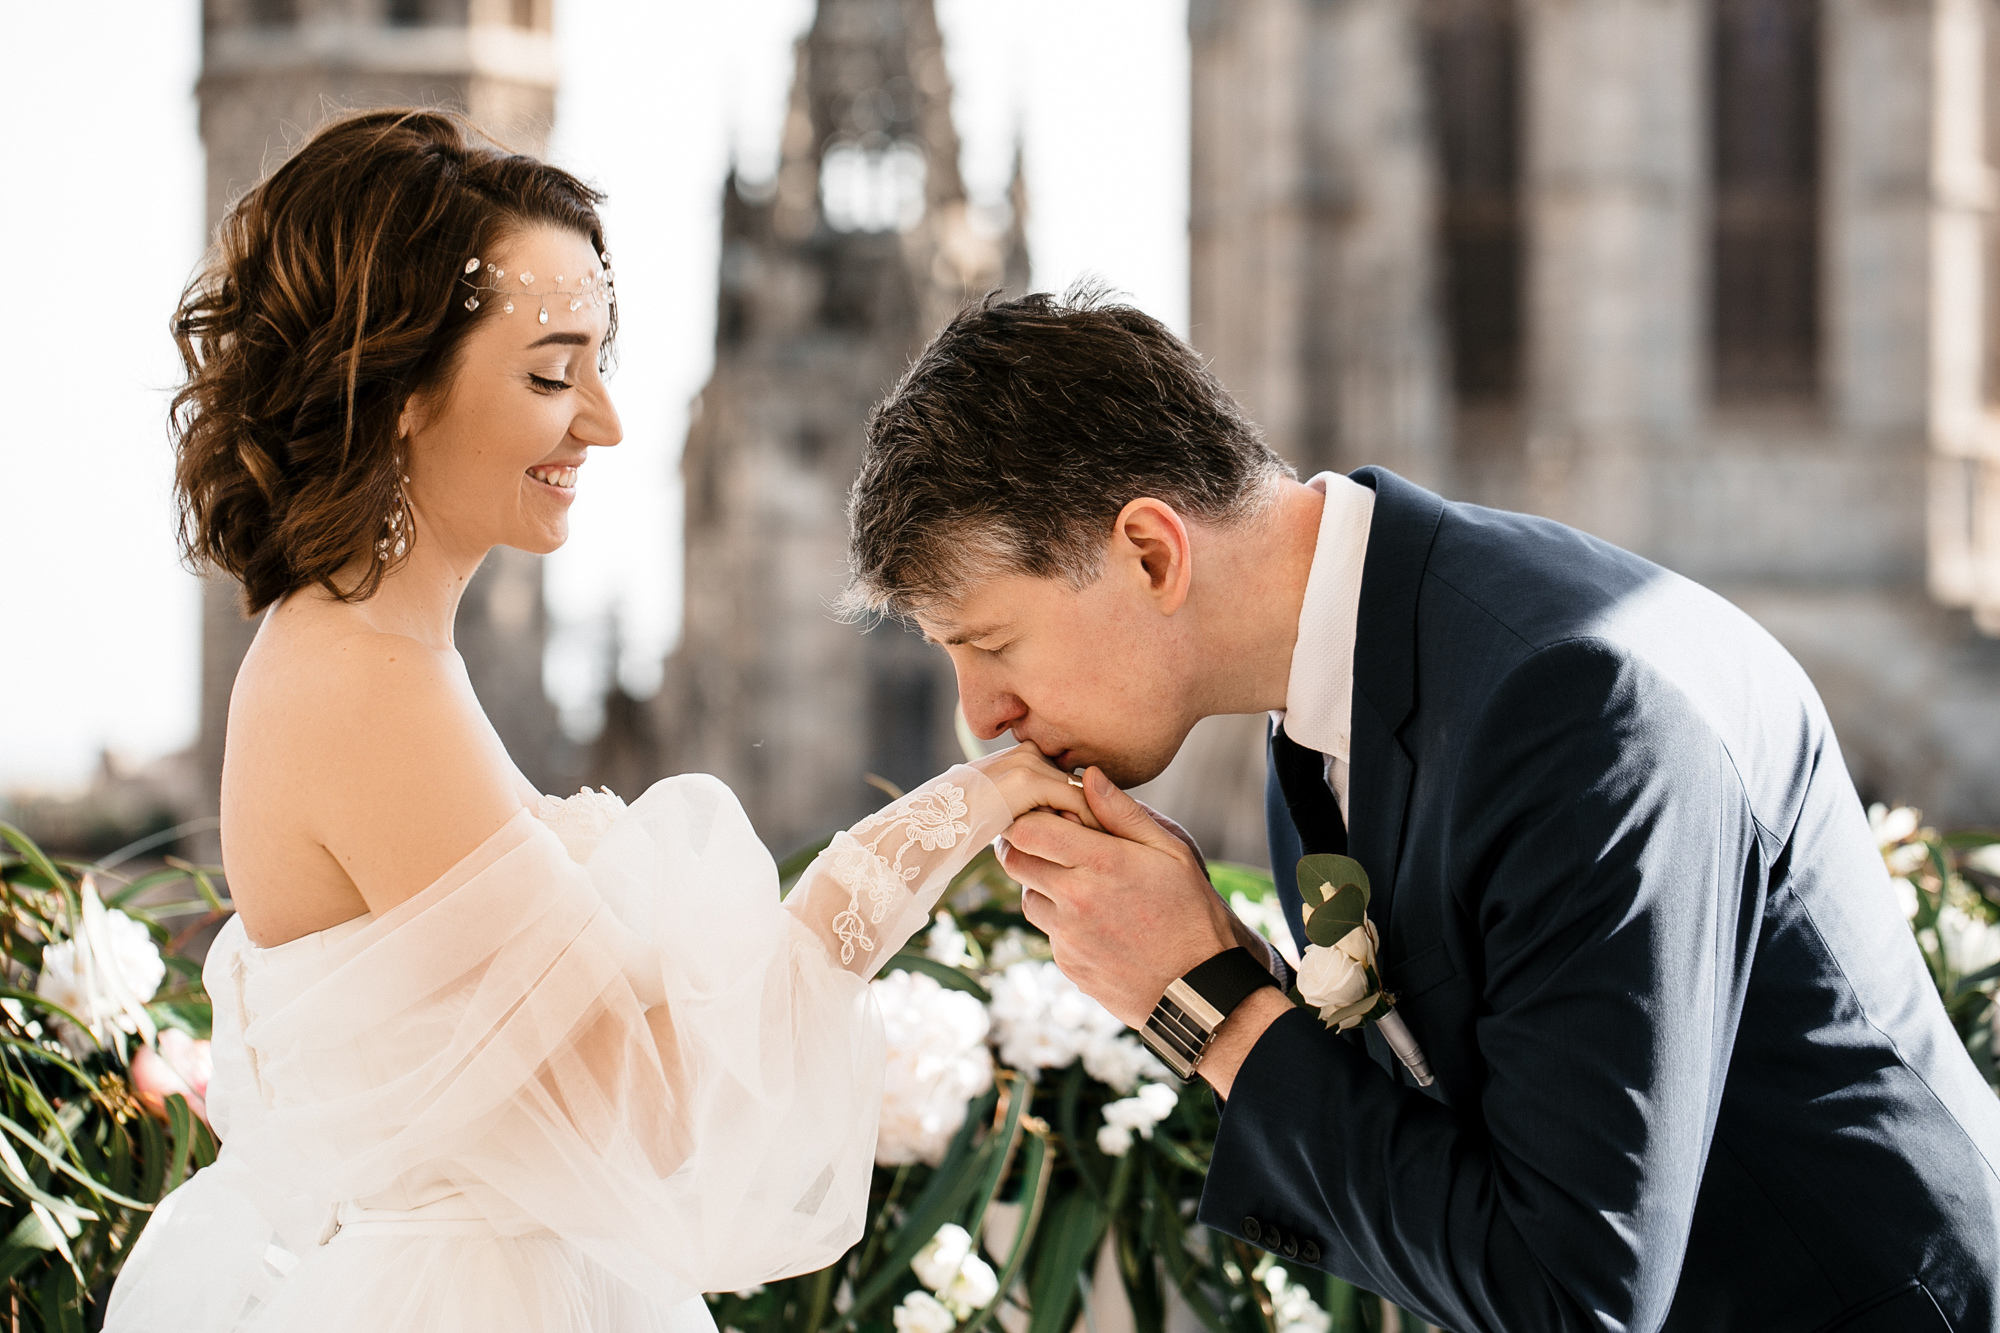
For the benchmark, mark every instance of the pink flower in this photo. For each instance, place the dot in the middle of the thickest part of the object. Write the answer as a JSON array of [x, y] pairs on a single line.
[[181, 1064]]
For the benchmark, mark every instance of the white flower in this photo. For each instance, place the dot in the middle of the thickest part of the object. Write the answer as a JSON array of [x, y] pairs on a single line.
[[921, 1312], [943, 1254], [938, 1062], [1905, 859], [1971, 944], [1906, 897], [1293, 1309], [946, 943], [1118, 1060], [1041, 1020], [1159, 1099], [1984, 859], [1016, 946], [1114, 1140], [582, 820], [971, 1288], [104, 975], [1135, 1115], [1891, 826], [1335, 980]]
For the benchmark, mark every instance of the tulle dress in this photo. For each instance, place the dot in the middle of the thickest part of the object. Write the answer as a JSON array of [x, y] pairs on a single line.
[[593, 1071]]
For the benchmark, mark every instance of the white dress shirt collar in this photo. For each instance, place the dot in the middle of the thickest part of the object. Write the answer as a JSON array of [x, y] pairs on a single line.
[[1319, 696]]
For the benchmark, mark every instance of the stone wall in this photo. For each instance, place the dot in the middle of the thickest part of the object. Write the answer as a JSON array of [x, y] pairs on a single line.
[[1841, 519]]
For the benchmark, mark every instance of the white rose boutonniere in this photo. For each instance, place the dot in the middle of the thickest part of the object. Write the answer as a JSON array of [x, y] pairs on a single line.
[[1338, 974]]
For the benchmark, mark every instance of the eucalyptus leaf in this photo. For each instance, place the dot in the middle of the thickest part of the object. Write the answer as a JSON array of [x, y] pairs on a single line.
[[1343, 912], [1329, 872]]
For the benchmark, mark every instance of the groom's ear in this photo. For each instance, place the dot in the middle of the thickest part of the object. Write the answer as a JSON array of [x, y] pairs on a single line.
[[1151, 541]]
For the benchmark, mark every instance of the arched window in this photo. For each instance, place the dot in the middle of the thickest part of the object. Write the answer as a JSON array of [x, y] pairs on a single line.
[[1472, 62], [1764, 159]]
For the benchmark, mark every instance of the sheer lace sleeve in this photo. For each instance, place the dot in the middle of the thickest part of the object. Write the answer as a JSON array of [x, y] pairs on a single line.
[[875, 884]]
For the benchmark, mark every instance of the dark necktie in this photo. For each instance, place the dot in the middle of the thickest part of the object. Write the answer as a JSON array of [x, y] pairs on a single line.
[[1315, 813]]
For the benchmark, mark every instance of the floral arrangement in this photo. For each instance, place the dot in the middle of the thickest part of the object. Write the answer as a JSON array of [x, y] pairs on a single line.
[[1036, 1161], [103, 1071], [1948, 887]]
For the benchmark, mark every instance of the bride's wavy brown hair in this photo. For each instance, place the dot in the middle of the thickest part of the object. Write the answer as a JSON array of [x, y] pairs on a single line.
[[332, 294]]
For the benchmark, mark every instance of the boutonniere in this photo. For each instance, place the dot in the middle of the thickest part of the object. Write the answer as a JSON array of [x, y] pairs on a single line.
[[1338, 975]]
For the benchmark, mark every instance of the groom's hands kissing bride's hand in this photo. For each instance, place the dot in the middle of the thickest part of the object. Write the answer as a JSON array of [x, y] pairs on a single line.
[[1030, 782], [1127, 909]]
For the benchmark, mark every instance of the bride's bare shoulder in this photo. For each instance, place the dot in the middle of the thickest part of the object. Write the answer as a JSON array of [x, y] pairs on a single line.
[[369, 744], [308, 672]]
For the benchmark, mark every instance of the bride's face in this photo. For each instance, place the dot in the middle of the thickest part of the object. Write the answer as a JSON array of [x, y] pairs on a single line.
[[494, 456]]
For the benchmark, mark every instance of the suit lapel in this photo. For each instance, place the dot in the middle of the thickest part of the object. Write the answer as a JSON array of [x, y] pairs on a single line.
[[1400, 533]]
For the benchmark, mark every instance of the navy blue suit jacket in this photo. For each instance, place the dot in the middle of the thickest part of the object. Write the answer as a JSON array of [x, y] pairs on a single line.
[[1691, 1072]]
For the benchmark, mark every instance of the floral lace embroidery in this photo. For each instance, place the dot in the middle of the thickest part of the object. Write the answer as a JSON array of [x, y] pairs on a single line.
[[933, 820]]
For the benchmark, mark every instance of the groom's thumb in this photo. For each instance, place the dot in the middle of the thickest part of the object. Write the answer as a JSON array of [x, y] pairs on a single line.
[[1124, 817]]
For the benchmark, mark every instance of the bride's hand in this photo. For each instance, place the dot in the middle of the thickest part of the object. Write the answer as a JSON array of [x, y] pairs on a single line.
[[1030, 782]]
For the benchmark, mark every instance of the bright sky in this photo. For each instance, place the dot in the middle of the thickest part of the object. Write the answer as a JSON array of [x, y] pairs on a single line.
[[105, 211]]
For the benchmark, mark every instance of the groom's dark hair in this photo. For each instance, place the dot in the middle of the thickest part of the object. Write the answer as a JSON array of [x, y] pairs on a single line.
[[1019, 434]]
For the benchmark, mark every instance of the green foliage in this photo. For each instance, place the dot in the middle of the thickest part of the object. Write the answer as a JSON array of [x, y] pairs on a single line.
[[81, 1163], [1335, 888]]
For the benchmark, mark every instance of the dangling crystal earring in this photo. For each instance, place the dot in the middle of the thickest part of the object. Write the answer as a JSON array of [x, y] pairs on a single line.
[[397, 540]]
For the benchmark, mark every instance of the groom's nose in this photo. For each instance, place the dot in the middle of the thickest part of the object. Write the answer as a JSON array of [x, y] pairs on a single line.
[[988, 711]]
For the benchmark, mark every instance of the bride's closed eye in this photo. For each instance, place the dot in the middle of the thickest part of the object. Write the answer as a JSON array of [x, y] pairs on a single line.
[[542, 384]]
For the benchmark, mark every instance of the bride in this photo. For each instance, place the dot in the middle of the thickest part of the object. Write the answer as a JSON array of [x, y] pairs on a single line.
[[485, 1060]]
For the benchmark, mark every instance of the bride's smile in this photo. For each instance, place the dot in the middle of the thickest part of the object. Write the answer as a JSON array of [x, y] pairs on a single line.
[[494, 455]]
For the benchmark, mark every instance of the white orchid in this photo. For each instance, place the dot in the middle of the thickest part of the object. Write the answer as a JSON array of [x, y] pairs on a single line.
[[1970, 944], [938, 1062], [962, 1281], [1293, 1310], [1892, 826], [973, 1287], [922, 1312], [1135, 1115], [1042, 1021], [104, 974], [938, 1262], [945, 942]]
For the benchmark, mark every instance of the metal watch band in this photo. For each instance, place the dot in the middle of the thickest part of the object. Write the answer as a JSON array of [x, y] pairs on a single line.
[[1185, 1020]]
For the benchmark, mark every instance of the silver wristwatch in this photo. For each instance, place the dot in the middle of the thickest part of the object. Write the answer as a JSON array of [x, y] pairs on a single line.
[[1188, 1016]]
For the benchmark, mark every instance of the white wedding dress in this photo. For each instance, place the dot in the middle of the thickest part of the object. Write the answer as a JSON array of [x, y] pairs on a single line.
[[594, 1071]]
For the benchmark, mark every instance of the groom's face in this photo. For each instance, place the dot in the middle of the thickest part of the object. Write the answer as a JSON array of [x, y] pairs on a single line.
[[1090, 676]]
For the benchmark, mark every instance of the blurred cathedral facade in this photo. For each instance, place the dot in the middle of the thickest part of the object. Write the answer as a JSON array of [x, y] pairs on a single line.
[[1711, 279], [832, 278]]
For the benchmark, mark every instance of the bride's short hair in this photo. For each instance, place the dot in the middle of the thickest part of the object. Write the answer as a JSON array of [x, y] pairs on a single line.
[[1022, 431], [333, 293]]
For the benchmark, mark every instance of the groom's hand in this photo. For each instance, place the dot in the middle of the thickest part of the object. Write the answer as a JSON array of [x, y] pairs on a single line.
[[1128, 910]]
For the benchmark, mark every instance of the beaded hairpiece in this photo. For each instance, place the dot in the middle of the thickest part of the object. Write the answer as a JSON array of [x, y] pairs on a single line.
[[493, 285]]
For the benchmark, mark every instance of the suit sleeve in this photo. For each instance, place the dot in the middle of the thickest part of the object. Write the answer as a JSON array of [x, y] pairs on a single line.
[[1600, 854]]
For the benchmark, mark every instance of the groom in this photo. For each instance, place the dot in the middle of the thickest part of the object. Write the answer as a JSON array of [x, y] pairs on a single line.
[[1690, 1073]]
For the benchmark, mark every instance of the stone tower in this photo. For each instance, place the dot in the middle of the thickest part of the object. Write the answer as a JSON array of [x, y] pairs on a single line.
[[1711, 279], [831, 279], [271, 70]]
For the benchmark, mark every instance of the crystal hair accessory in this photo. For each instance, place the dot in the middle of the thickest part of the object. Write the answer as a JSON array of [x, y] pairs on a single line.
[[491, 285]]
